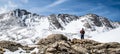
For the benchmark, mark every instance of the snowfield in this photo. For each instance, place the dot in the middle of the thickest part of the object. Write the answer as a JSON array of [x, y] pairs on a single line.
[[111, 36]]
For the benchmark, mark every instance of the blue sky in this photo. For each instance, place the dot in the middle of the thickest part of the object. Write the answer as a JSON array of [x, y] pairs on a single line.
[[106, 8]]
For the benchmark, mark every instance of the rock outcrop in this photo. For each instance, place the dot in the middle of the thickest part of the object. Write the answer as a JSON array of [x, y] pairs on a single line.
[[59, 44], [56, 44], [52, 39]]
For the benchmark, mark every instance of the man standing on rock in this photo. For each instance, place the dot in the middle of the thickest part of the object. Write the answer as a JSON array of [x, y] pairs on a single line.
[[82, 32]]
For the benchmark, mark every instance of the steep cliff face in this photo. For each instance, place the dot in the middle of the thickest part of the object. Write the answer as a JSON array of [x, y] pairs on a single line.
[[54, 23], [61, 20], [92, 21]]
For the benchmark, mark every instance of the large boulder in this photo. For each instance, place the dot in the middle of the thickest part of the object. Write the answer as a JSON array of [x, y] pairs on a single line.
[[52, 39]]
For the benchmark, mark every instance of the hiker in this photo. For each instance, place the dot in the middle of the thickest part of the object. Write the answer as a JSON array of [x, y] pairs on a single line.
[[82, 32]]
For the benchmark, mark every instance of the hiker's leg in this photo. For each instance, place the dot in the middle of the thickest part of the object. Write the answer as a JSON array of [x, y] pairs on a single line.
[[82, 36]]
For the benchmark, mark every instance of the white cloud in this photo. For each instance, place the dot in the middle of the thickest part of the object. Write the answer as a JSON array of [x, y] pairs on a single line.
[[12, 4], [3, 9], [4, 0], [24, 1], [9, 5], [93, 9], [47, 8], [56, 3]]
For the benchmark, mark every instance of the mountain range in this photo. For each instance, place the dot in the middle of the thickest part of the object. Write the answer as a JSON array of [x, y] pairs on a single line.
[[25, 27]]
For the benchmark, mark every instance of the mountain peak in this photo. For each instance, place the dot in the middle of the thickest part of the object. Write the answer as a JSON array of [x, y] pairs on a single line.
[[92, 15], [19, 12]]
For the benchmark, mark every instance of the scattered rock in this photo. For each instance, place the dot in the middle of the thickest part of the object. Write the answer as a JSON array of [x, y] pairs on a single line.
[[12, 46]]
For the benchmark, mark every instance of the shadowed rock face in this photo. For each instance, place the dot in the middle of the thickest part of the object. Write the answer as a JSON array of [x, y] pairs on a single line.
[[95, 19], [66, 18], [58, 44], [20, 12], [119, 22], [54, 22], [106, 22], [90, 21]]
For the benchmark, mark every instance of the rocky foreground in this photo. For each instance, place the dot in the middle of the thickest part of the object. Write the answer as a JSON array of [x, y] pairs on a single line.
[[60, 44]]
